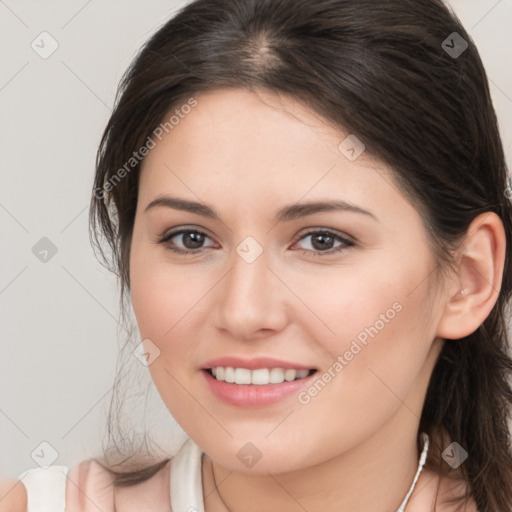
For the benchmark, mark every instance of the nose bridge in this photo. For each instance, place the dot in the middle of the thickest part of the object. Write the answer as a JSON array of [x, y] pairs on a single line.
[[249, 300]]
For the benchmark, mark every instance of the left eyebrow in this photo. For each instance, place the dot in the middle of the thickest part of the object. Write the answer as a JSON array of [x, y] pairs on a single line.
[[287, 213], [298, 210]]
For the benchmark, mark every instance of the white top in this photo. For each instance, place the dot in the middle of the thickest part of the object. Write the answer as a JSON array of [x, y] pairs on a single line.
[[46, 488], [186, 479]]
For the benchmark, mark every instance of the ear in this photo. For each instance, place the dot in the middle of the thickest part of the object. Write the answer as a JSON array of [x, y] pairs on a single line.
[[476, 287]]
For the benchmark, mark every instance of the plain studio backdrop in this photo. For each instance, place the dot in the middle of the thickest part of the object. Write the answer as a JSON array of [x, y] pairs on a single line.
[[59, 306]]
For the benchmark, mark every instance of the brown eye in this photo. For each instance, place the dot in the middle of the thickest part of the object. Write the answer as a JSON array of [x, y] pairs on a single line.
[[192, 239], [325, 242], [185, 241]]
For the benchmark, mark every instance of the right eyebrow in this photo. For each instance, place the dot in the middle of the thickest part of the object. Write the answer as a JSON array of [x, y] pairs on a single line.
[[183, 204]]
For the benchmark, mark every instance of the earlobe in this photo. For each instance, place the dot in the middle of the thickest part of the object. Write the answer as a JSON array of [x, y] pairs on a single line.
[[479, 278]]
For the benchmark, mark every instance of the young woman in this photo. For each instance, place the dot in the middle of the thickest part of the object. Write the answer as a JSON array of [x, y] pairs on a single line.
[[307, 205]]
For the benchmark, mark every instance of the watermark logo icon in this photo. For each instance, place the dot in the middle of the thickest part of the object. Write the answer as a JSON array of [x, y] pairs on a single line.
[[454, 455], [249, 249], [454, 45], [44, 45], [249, 455], [147, 352], [44, 250], [44, 455], [352, 147]]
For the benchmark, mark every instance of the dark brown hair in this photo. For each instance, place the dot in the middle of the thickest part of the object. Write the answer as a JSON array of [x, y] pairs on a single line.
[[382, 71]]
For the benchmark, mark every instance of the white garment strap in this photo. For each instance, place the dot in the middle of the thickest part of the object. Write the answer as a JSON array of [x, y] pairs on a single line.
[[186, 479], [423, 459], [46, 488]]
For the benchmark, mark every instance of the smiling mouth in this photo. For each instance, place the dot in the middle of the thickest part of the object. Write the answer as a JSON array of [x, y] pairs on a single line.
[[257, 377]]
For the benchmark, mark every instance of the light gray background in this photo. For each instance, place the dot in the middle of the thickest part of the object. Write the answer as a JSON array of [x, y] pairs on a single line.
[[59, 318]]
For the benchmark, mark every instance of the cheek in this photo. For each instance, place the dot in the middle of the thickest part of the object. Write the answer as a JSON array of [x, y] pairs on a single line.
[[375, 360], [381, 300], [169, 305], [160, 304], [149, 301], [157, 293], [374, 329]]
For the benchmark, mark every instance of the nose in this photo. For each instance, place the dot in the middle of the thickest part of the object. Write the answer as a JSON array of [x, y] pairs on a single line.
[[251, 301]]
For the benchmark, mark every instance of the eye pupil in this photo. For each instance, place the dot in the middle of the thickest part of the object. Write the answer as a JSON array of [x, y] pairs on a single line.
[[322, 238], [193, 239]]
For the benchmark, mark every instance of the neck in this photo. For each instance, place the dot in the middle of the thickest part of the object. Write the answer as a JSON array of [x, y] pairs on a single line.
[[378, 471]]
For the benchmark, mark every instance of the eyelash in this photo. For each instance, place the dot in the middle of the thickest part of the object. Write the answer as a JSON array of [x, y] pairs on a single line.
[[347, 244]]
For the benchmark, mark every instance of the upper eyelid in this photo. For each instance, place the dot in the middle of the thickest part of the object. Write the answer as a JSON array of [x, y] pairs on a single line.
[[336, 233]]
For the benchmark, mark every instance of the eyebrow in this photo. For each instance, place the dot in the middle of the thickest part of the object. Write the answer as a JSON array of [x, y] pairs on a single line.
[[287, 213]]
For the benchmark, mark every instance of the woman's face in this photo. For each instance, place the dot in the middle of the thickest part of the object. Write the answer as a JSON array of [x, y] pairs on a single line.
[[273, 272]]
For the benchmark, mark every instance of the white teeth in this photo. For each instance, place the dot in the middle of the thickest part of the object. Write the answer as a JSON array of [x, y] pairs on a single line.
[[229, 374], [258, 377], [290, 375], [242, 376], [276, 376]]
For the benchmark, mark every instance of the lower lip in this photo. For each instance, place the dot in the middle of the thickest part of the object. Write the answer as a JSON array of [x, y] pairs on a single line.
[[251, 395]]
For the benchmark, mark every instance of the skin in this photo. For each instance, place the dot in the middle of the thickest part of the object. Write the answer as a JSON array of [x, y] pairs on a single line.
[[247, 154]]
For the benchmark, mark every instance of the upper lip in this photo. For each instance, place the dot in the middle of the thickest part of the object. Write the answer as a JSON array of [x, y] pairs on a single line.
[[253, 363]]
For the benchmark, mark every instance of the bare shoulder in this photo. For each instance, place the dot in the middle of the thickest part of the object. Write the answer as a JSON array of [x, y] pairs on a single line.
[[13, 496], [90, 487]]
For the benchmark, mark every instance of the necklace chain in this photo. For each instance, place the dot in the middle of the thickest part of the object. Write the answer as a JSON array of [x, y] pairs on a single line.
[[401, 508]]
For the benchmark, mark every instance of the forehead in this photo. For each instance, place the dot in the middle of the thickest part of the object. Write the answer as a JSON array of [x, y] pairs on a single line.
[[260, 129], [252, 146], [235, 124]]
